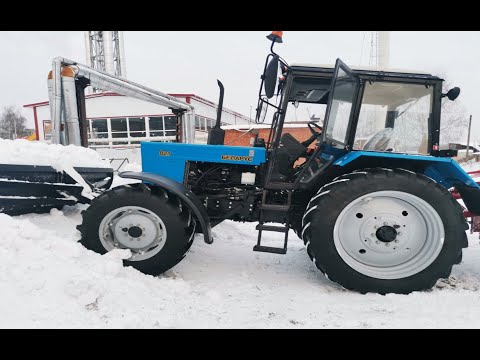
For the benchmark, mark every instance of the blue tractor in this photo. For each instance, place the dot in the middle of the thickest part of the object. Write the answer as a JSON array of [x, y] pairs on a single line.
[[367, 192]]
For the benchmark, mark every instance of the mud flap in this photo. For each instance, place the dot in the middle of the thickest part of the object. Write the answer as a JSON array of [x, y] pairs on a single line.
[[470, 196]]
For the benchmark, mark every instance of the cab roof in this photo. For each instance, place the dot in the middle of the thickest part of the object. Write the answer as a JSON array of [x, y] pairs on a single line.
[[367, 70]]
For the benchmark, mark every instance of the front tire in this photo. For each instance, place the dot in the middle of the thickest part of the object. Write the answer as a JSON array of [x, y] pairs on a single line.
[[153, 223], [384, 231]]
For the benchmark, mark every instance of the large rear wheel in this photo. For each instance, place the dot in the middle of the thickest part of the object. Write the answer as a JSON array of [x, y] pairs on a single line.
[[384, 231], [155, 225]]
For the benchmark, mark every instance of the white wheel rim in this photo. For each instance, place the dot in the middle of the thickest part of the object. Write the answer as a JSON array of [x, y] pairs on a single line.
[[134, 228], [389, 234]]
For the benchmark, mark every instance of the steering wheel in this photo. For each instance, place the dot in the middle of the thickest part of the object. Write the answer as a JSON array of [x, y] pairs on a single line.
[[311, 125]]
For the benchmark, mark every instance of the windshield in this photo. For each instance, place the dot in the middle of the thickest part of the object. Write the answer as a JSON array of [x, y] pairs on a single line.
[[394, 117], [307, 100]]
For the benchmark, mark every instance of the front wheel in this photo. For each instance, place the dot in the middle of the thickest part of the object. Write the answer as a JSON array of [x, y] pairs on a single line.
[[155, 225], [384, 231]]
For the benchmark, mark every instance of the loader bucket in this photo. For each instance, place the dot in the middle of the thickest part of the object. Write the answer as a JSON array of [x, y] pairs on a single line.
[[37, 189]]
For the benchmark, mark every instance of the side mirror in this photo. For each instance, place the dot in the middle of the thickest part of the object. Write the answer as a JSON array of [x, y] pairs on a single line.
[[453, 93], [271, 74]]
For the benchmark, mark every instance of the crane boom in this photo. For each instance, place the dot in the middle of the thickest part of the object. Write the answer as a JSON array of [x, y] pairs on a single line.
[[64, 100]]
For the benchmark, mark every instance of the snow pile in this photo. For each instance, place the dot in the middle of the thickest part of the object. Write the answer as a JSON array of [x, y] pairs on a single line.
[[24, 152], [49, 280]]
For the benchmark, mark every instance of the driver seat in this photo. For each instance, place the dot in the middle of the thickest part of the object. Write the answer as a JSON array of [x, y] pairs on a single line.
[[379, 141], [289, 150]]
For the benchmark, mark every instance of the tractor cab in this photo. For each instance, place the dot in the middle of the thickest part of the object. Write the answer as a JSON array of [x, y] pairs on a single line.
[[346, 110]]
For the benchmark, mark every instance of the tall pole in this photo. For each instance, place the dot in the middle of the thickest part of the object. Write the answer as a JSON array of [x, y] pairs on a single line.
[[468, 138], [121, 59], [383, 49]]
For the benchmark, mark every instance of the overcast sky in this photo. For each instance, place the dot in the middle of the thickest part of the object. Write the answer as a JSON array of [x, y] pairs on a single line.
[[190, 62]]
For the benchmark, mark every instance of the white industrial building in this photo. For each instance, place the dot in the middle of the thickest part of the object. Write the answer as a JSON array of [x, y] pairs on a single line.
[[117, 121]]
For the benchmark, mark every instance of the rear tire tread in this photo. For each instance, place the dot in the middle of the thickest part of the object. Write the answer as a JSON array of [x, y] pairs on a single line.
[[364, 176], [154, 201]]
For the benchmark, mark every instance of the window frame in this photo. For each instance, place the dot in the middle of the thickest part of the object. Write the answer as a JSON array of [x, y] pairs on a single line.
[[433, 121], [353, 111]]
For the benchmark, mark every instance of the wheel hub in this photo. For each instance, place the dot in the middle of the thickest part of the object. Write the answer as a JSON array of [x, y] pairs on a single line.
[[135, 231], [134, 228], [380, 241], [386, 234]]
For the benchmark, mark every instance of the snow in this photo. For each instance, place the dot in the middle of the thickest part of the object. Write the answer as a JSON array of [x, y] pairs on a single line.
[[118, 181], [118, 155], [61, 158], [24, 152], [48, 280]]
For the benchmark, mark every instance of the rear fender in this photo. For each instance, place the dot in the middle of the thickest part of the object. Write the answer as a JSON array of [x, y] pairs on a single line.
[[182, 192], [444, 171]]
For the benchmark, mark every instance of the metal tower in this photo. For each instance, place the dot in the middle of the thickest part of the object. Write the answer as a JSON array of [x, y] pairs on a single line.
[[373, 61], [105, 51]]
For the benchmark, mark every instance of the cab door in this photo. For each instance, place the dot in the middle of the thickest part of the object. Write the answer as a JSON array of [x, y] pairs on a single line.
[[341, 102]]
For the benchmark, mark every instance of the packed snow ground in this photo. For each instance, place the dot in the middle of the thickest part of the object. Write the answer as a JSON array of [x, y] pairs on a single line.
[[48, 280]]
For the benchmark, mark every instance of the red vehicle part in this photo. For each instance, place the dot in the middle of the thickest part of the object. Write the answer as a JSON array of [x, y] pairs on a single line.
[[474, 218]]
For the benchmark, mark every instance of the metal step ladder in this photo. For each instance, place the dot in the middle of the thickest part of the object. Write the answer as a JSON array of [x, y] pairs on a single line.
[[281, 208]]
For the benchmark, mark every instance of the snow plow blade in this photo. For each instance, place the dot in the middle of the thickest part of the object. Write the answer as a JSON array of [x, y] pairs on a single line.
[[37, 189]]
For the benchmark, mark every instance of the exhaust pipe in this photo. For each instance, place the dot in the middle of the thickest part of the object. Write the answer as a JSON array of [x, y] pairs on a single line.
[[216, 135]]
